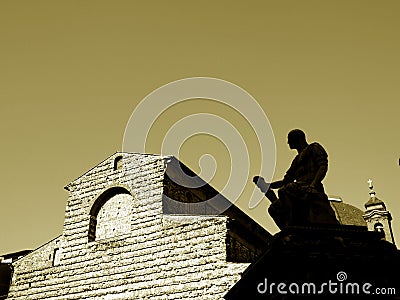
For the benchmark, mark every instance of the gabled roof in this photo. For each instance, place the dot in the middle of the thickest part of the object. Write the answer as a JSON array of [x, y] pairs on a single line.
[[110, 158], [179, 177]]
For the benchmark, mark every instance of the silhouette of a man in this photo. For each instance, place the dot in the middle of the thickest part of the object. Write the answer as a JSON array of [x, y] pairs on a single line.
[[302, 199]]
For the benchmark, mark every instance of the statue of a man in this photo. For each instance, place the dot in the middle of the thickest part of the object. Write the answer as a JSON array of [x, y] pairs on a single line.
[[302, 199]]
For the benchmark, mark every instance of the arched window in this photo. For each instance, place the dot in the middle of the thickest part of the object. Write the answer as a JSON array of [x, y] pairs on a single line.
[[118, 163], [378, 227], [111, 215]]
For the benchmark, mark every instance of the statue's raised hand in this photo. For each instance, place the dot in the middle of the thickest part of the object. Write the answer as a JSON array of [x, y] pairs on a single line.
[[261, 184], [265, 188]]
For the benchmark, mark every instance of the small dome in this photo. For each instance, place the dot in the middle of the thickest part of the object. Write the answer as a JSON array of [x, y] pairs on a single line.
[[374, 201], [347, 214]]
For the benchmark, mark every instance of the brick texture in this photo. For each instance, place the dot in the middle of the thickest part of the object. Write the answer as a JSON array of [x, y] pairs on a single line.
[[117, 243]]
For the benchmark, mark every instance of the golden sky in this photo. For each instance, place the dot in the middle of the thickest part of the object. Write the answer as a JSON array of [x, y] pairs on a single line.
[[72, 72]]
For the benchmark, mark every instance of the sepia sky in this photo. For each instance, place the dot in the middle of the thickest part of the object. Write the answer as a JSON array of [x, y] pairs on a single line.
[[72, 72]]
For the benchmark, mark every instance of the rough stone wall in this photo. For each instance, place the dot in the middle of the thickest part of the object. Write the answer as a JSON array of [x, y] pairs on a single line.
[[114, 218], [41, 258], [163, 257]]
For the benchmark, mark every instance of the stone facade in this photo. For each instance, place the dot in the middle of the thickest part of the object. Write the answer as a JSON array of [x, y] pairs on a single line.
[[121, 241]]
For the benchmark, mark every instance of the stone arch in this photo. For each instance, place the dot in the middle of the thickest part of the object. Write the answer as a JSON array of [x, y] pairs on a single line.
[[110, 214], [378, 226]]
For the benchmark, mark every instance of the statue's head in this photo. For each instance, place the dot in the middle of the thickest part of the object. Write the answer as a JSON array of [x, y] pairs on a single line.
[[296, 138]]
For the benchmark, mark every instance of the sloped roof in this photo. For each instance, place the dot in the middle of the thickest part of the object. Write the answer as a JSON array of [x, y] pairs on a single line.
[[374, 201], [206, 200], [348, 214]]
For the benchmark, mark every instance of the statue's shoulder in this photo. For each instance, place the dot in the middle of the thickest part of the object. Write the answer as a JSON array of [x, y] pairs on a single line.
[[316, 145], [317, 148]]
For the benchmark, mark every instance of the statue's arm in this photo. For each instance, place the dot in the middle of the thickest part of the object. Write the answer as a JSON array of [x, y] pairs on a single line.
[[289, 177], [321, 159], [320, 175], [263, 186], [277, 184]]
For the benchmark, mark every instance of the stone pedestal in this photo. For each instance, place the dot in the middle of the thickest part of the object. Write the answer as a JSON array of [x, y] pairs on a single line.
[[330, 262]]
